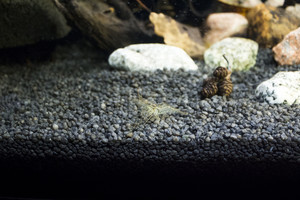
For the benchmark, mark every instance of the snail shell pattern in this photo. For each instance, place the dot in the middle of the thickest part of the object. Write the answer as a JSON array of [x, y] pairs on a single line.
[[210, 87], [221, 72], [225, 87], [220, 83]]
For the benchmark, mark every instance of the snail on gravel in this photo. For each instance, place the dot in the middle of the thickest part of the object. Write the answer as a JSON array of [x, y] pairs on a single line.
[[220, 83], [221, 72], [210, 87]]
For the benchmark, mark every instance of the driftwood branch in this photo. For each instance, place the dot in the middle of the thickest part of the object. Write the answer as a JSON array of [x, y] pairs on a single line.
[[110, 23]]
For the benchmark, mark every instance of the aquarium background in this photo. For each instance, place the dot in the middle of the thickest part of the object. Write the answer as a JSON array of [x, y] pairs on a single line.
[[148, 99]]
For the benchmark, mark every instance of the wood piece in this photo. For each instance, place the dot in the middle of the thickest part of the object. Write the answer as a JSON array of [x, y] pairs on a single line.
[[177, 34], [268, 25], [109, 23]]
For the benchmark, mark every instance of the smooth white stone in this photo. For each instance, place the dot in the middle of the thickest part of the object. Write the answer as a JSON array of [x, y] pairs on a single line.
[[150, 57]]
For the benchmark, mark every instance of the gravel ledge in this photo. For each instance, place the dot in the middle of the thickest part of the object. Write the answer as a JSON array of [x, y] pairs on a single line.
[[76, 109]]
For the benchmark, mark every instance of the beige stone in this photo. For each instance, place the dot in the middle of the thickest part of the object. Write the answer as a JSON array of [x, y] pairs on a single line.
[[222, 25], [251, 3], [294, 10], [243, 3], [275, 3], [287, 52]]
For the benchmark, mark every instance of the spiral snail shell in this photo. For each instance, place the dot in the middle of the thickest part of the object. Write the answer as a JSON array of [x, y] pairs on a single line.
[[221, 72], [225, 87], [210, 87], [220, 83]]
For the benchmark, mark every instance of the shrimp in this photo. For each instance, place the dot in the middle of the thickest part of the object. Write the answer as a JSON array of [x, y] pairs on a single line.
[[152, 111]]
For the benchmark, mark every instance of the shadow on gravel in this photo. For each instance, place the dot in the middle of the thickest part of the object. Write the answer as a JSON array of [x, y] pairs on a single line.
[[57, 179]]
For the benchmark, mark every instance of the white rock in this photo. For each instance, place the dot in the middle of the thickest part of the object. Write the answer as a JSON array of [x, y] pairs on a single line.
[[151, 57], [240, 52], [283, 87], [55, 127], [274, 3]]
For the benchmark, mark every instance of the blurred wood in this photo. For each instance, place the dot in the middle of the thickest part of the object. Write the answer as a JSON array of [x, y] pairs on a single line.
[[177, 34], [143, 6], [268, 25], [110, 23]]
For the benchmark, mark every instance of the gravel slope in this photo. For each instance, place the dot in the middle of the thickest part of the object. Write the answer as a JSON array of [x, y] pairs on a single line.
[[76, 108]]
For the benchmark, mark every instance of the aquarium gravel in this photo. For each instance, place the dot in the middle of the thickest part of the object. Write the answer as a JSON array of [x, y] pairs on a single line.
[[75, 107]]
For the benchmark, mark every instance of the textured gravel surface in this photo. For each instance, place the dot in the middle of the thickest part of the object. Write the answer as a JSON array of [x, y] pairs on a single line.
[[75, 108]]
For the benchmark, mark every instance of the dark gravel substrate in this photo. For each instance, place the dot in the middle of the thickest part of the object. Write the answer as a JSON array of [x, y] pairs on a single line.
[[73, 114]]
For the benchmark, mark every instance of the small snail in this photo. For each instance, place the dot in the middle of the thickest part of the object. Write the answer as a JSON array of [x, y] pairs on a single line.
[[225, 87], [221, 72], [220, 83], [210, 87]]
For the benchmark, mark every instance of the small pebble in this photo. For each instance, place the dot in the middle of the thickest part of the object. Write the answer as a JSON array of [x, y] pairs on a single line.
[[96, 126], [86, 116], [55, 127], [130, 134], [103, 106]]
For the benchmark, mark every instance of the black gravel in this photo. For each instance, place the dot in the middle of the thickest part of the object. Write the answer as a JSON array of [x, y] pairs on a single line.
[[75, 109]]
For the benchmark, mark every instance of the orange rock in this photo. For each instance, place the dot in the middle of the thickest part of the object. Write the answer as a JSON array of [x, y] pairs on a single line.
[[287, 52], [268, 25]]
